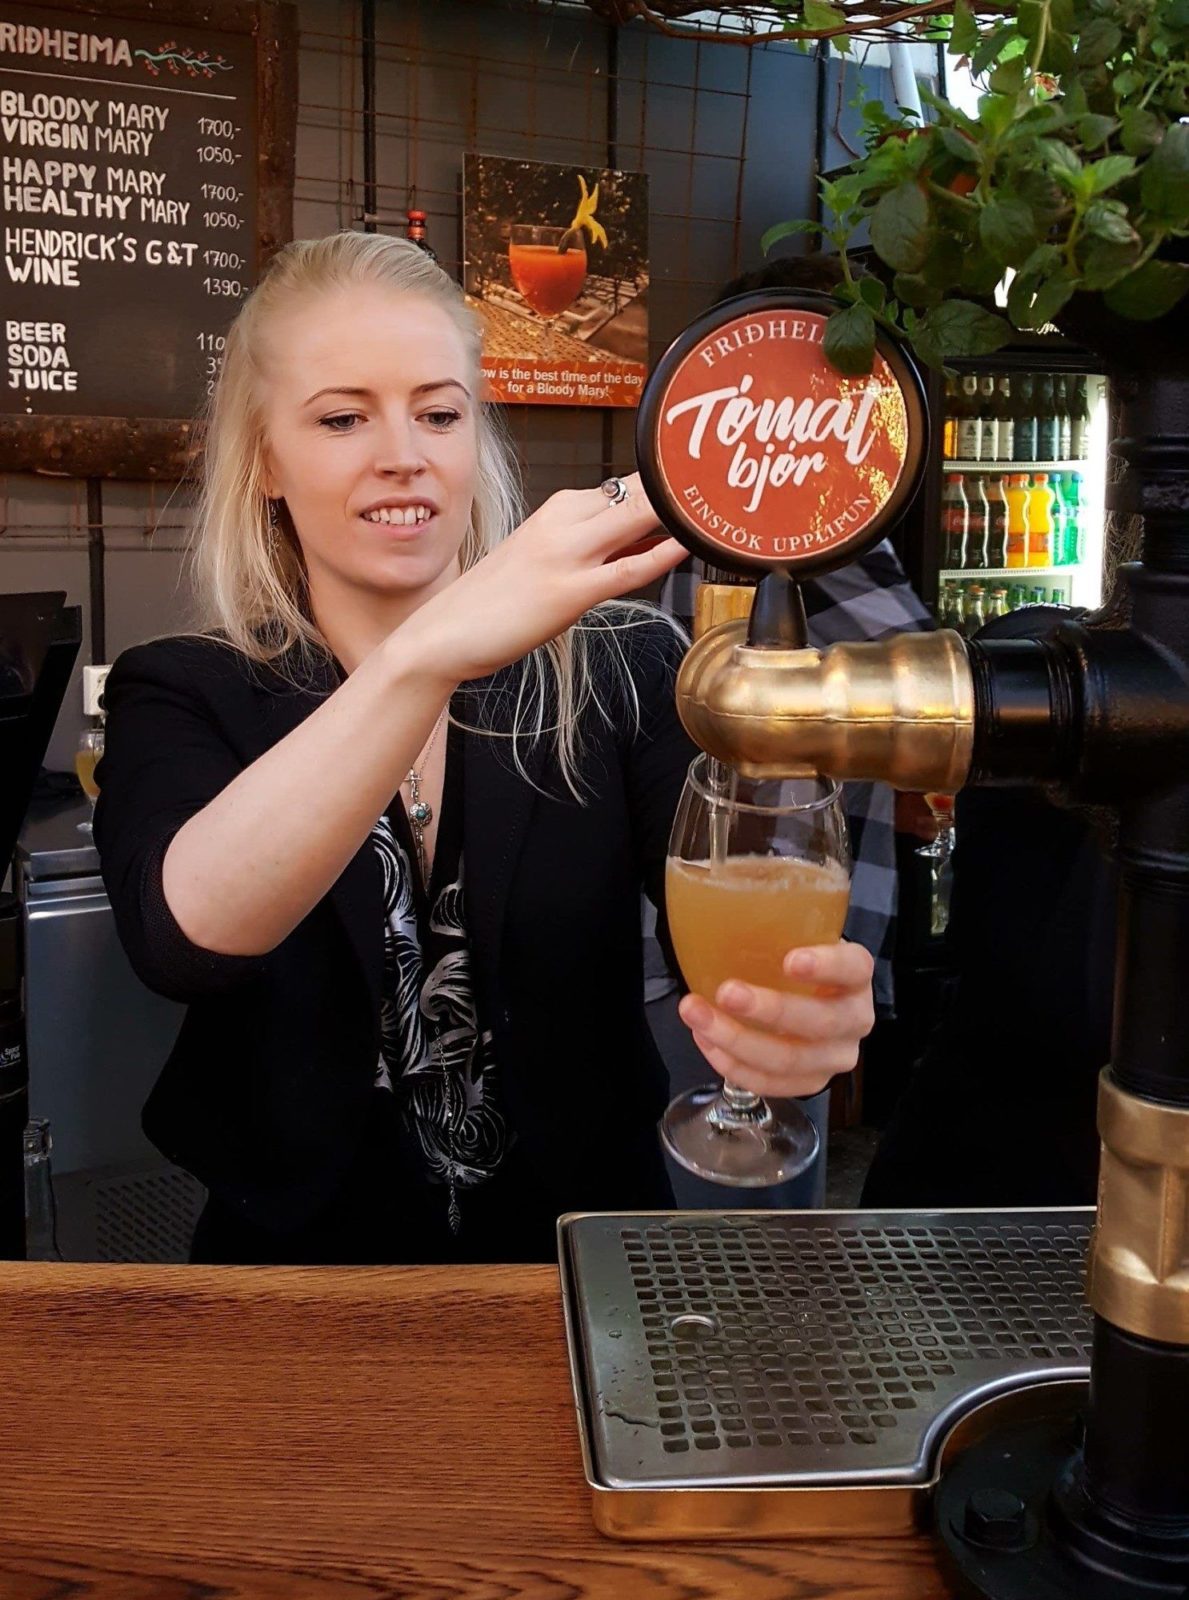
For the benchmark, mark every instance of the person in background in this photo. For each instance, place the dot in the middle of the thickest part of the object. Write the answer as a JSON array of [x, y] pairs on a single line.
[[867, 599], [384, 824]]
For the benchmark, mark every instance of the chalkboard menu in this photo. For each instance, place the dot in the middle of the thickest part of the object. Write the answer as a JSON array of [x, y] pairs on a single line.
[[131, 169]]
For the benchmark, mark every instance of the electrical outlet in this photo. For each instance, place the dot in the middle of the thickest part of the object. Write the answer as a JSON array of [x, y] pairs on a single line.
[[93, 680]]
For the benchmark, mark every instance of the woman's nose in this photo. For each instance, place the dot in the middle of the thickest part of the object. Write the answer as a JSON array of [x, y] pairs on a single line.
[[400, 450]]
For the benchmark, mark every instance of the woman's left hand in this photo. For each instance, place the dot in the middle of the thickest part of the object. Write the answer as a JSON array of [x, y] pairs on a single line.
[[788, 1044]]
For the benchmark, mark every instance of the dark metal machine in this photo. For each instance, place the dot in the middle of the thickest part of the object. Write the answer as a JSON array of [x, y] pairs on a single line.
[[746, 433], [39, 640]]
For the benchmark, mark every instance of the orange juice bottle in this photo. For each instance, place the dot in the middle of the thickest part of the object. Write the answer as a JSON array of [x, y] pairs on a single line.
[[1040, 522], [1016, 494]]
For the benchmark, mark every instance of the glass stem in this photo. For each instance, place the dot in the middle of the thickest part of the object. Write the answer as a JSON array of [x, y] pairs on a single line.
[[739, 1108]]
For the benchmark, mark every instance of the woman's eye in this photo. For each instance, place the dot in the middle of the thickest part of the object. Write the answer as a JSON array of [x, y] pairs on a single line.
[[442, 419], [342, 423]]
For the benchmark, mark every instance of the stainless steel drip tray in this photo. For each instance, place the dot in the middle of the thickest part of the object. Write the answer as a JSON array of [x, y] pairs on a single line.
[[750, 1374]]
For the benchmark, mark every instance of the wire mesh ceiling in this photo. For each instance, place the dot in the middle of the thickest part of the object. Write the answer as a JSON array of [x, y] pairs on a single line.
[[869, 20]]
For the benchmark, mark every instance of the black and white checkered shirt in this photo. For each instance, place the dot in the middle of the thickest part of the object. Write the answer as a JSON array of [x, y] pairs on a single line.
[[865, 600]]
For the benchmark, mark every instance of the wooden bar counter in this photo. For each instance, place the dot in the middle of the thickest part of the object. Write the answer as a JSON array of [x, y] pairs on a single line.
[[172, 1432]]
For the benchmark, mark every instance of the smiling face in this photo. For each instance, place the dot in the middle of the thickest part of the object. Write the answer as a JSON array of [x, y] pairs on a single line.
[[370, 439]]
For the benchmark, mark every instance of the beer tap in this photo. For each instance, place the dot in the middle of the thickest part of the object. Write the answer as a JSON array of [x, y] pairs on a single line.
[[764, 460]]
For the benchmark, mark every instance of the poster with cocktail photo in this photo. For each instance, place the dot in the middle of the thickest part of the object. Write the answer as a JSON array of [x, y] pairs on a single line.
[[557, 267]]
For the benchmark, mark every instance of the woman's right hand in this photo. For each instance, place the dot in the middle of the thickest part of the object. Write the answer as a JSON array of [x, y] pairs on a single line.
[[564, 559]]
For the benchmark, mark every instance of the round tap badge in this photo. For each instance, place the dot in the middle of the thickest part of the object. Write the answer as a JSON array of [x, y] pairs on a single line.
[[757, 453]]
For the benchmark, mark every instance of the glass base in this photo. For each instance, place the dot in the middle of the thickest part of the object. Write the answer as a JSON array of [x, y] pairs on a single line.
[[776, 1144]]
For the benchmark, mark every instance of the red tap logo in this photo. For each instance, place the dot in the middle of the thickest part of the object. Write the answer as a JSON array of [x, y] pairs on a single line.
[[763, 453]]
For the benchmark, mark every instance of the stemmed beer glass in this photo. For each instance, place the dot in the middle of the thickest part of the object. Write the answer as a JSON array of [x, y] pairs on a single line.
[[756, 868]]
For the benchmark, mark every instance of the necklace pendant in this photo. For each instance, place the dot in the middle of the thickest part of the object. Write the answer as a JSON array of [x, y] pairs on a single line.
[[421, 813]]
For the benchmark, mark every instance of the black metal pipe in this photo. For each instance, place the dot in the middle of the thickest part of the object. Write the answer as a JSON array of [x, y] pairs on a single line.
[[1126, 1498], [367, 26], [96, 553], [1139, 1415]]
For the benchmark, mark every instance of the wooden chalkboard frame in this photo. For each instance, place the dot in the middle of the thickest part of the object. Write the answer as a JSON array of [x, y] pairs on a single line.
[[165, 448]]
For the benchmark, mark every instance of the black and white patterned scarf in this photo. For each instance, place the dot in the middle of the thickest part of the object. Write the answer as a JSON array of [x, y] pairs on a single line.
[[434, 1056]]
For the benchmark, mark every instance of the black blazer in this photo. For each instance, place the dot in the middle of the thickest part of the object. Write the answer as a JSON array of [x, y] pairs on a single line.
[[265, 1094]]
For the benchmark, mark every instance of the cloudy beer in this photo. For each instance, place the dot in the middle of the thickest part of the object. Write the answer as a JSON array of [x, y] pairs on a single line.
[[740, 917]]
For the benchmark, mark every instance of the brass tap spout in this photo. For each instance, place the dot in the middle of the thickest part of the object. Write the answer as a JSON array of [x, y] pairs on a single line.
[[900, 709]]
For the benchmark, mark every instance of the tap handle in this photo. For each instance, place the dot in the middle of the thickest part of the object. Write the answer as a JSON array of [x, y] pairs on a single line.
[[778, 614]]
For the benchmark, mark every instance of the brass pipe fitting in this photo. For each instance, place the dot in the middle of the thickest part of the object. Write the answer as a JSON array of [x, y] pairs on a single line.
[[715, 603], [900, 709], [1139, 1258]]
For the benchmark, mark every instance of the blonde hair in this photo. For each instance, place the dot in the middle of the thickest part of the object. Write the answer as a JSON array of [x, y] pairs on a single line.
[[249, 572]]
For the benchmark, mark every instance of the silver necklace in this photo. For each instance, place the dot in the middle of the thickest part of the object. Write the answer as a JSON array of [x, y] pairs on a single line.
[[420, 811], [420, 817]]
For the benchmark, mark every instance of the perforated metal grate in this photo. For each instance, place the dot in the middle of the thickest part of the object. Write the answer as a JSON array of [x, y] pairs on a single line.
[[134, 1213], [768, 1345]]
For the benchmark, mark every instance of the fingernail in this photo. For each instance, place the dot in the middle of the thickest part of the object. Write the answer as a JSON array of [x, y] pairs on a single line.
[[800, 964], [735, 996], [695, 1012]]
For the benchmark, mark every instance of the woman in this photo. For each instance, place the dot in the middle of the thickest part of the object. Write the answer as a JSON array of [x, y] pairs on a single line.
[[400, 693]]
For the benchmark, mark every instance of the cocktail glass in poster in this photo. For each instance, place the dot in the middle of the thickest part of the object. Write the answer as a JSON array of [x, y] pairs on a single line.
[[557, 267]]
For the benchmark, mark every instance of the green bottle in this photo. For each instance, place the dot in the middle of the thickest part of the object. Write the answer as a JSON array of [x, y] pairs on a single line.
[[1058, 598]]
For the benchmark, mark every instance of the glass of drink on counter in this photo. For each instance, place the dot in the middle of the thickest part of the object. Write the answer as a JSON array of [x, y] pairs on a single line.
[[86, 757], [548, 278], [755, 869]]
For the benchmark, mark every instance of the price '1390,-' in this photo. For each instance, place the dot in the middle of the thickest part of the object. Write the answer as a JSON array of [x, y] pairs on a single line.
[[228, 288]]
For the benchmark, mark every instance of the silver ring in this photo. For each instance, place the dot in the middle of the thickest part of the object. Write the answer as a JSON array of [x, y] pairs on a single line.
[[616, 490]]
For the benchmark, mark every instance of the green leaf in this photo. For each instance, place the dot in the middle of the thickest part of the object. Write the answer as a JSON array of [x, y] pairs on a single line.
[[1057, 56], [958, 145], [1008, 77], [1064, 165], [820, 14], [1150, 291], [964, 37], [1127, 82], [1105, 264], [947, 114], [1030, 18], [961, 328], [980, 275], [1047, 200], [1007, 229], [1042, 260], [913, 290], [1097, 43], [1061, 16], [1041, 119], [1040, 290], [849, 341], [1107, 220], [1111, 170], [1176, 14], [990, 47], [1164, 187], [842, 195], [1095, 130], [1052, 295], [944, 262], [995, 112], [1142, 130], [873, 293], [900, 227], [783, 230]]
